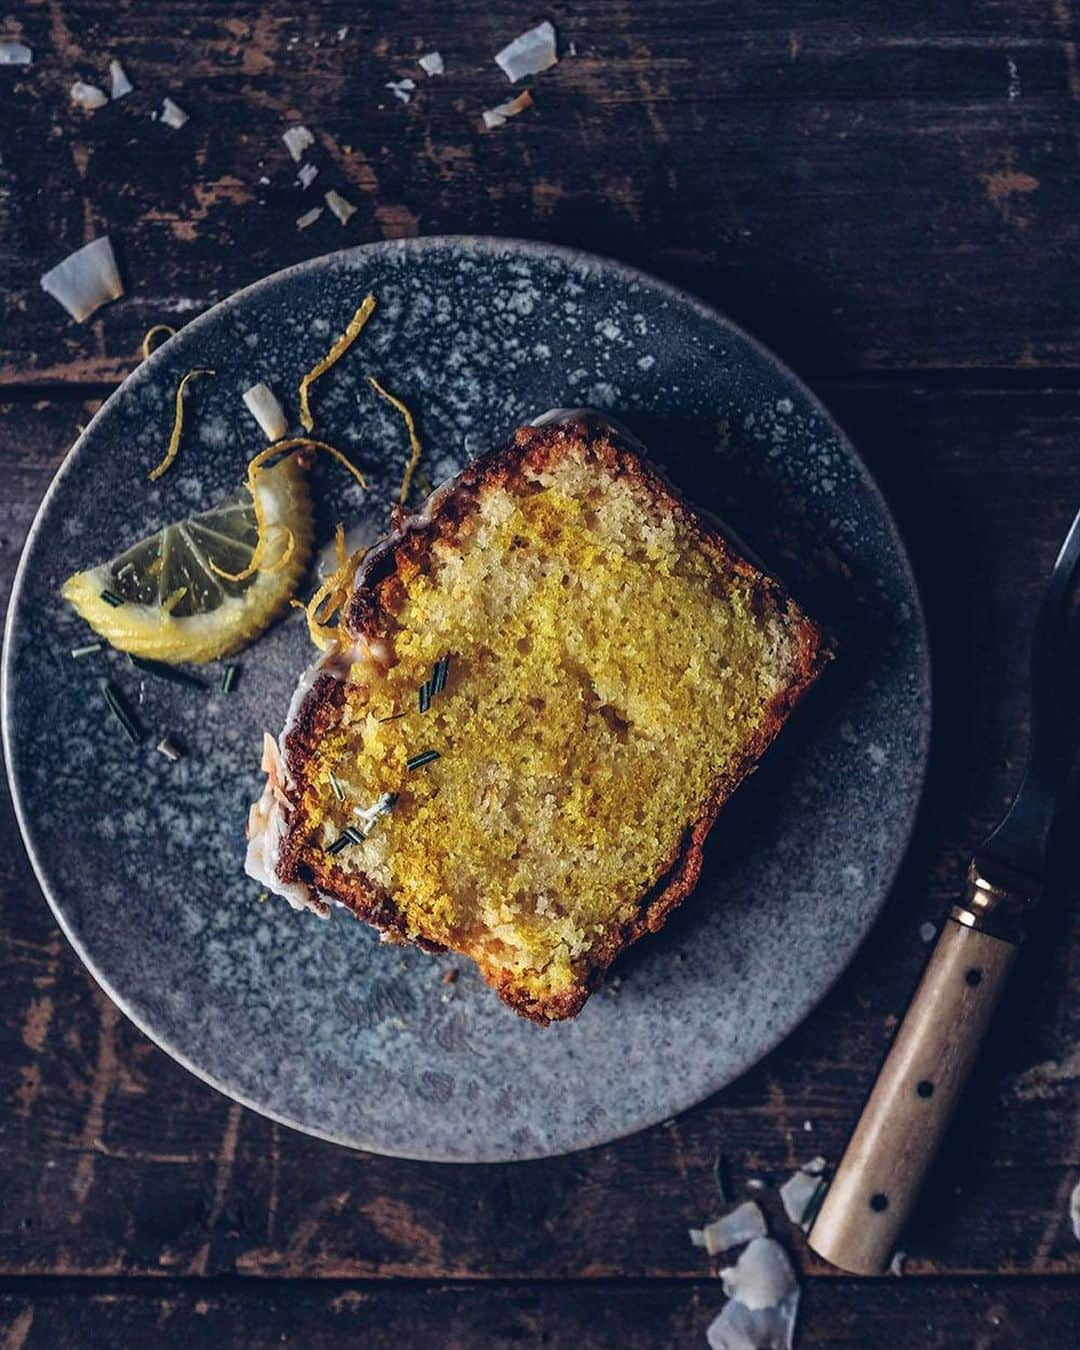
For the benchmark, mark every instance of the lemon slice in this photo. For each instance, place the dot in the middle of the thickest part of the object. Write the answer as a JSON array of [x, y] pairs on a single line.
[[188, 592]]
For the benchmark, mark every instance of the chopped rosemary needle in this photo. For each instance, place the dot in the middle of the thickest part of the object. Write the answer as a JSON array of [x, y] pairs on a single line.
[[90, 649], [424, 694], [418, 761], [170, 749], [439, 672], [392, 718], [350, 835], [111, 598], [118, 706], [228, 678], [339, 791], [166, 672]]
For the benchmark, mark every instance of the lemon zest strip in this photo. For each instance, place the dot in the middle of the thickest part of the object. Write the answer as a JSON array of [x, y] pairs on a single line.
[[271, 451], [178, 425], [336, 352], [414, 439], [335, 588], [151, 333]]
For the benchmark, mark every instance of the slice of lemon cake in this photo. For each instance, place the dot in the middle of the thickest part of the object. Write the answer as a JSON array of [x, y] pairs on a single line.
[[549, 682]]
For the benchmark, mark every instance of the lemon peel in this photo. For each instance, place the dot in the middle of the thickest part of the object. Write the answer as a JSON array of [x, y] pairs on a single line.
[[178, 424], [414, 439], [336, 352], [335, 588], [148, 344], [298, 444]]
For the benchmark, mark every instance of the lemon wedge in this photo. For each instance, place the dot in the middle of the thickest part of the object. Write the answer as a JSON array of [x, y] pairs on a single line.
[[189, 593]]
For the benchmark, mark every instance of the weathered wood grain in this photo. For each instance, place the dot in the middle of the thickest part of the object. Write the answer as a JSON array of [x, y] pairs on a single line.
[[113, 1160], [867, 187], [899, 1315]]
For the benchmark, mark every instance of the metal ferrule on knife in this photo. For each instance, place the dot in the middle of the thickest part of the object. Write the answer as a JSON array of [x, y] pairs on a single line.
[[996, 900]]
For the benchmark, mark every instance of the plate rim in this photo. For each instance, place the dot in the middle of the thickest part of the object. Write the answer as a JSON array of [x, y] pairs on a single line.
[[490, 245]]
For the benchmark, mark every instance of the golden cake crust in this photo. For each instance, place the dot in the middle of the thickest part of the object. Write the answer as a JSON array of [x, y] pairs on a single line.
[[380, 589]]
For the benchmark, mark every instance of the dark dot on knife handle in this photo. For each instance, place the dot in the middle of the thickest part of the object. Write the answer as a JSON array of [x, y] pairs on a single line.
[[925, 1088], [974, 976], [879, 1202]]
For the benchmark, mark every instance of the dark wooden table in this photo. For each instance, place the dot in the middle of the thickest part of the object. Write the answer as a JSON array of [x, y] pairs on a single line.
[[884, 192]]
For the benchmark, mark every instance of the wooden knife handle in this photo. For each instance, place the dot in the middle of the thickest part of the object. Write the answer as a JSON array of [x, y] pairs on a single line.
[[913, 1100]]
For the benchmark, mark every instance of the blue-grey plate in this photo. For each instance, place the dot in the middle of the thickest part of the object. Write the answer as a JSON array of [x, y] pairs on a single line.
[[315, 1023]]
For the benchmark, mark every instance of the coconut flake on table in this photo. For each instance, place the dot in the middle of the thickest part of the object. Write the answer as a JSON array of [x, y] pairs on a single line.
[[764, 1301], [15, 54], [798, 1192], [307, 175], [297, 140], [927, 932], [172, 114], [896, 1265], [88, 96], [741, 1225], [86, 279], [500, 115], [308, 218], [402, 89], [431, 63], [341, 206], [1074, 1210], [528, 54], [121, 85], [262, 404]]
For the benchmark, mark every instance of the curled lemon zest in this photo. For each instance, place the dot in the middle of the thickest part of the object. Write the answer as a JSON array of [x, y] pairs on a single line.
[[178, 425], [414, 439], [339, 546], [286, 553], [276, 566], [338, 350], [151, 334], [173, 599], [297, 443], [335, 591]]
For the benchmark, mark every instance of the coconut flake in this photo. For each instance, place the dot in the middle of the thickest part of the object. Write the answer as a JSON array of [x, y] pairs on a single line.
[[1074, 1210], [739, 1328], [297, 140], [764, 1296], [308, 218], [121, 85], [500, 115], [86, 279], [431, 63], [341, 207], [927, 932], [307, 175], [172, 114], [741, 1225], [529, 53], [402, 89], [15, 54], [266, 410], [88, 96], [896, 1265], [797, 1192]]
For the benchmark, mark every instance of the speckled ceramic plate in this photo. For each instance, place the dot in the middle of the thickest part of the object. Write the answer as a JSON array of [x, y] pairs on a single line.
[[314, 1023]]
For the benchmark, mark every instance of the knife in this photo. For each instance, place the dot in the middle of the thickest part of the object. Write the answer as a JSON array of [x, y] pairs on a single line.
[[929, 1062]]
